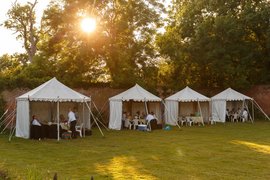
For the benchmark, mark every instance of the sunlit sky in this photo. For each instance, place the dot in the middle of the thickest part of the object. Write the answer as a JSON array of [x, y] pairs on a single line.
[[9, 44]]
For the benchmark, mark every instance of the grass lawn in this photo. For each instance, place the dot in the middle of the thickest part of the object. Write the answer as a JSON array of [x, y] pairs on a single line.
[[221, 151]]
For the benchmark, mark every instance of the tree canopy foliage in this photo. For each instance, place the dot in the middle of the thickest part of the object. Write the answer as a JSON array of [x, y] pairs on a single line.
[[207, 44], [217, 43]]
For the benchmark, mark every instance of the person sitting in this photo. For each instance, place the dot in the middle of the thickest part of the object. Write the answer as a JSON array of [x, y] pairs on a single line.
[[63, 124], [239, 112], [138, 115], [36, 129], [151, 120], [62, 119], [227, 115], [143, 115], [150, 117], [244, 115], [124, 117], [128, 120]]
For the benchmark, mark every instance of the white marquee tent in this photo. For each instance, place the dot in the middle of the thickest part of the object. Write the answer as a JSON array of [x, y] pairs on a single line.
[[141, 100], [184, 103], [230, 99], [48, 101]]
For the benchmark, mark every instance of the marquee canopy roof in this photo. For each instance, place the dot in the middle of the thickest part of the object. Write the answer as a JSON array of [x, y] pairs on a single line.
[[230, 95], [187, 95], [53, 91], [136, 93]]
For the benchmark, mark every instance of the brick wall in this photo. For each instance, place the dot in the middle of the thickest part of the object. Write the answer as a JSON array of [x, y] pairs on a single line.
[[261, 94], [100, 96]]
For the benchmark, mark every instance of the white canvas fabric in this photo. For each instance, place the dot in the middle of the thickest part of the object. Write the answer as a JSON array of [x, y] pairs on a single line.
[[137, 94], [186, 98], [53, 90], [42, 100], [230, 95], [219, 110], [22, 119], [219, 103], [156, 109], [171, 112], [115, 115], [187, 95]]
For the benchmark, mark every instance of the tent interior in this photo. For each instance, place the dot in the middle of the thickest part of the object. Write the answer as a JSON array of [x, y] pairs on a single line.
[[47, 111], [192, 109], [219, 108], [143, 107], [235, 105]]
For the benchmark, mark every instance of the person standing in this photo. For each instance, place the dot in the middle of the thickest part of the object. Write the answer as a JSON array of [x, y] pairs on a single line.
[[72, 122]]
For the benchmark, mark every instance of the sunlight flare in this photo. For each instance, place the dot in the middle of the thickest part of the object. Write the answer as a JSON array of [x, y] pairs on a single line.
[[88, 25], [254, 146], [124, 168]]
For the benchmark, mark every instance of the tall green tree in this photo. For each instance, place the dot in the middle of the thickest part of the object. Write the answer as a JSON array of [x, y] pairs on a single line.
[[217, 44], [120, 50], [22, 20]]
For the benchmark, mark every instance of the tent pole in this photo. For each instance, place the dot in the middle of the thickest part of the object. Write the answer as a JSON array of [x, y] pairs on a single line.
[[12, 133], [97, 109], [12, 129], [5, 127], [252, 109], [58, 128], [83, 122], [261, 110], [200, 110], [100, 117], [4, 114], [94, 119], [7, 118], [209, 110], [146, 108], [102, 124], [246, 106], [8, 110]]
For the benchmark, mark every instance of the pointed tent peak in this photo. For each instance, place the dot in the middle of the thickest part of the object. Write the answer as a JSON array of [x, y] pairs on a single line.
[[230, 94], [187, 95], [136, 93], [54, 90]]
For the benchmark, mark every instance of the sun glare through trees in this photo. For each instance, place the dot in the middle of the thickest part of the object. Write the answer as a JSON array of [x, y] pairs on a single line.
[[88, 25]]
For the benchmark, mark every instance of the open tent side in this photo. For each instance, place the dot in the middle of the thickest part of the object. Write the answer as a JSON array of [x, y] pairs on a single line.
[[140, 99], [230, 98], [186, 98], [45, 101]]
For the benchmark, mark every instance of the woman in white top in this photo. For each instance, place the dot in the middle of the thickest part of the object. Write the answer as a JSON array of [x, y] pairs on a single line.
[[36, 130], [35, 122]]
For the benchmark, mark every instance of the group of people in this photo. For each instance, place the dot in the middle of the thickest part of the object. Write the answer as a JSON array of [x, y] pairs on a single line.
[[128, 120], [237, 115], [37, 126]]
